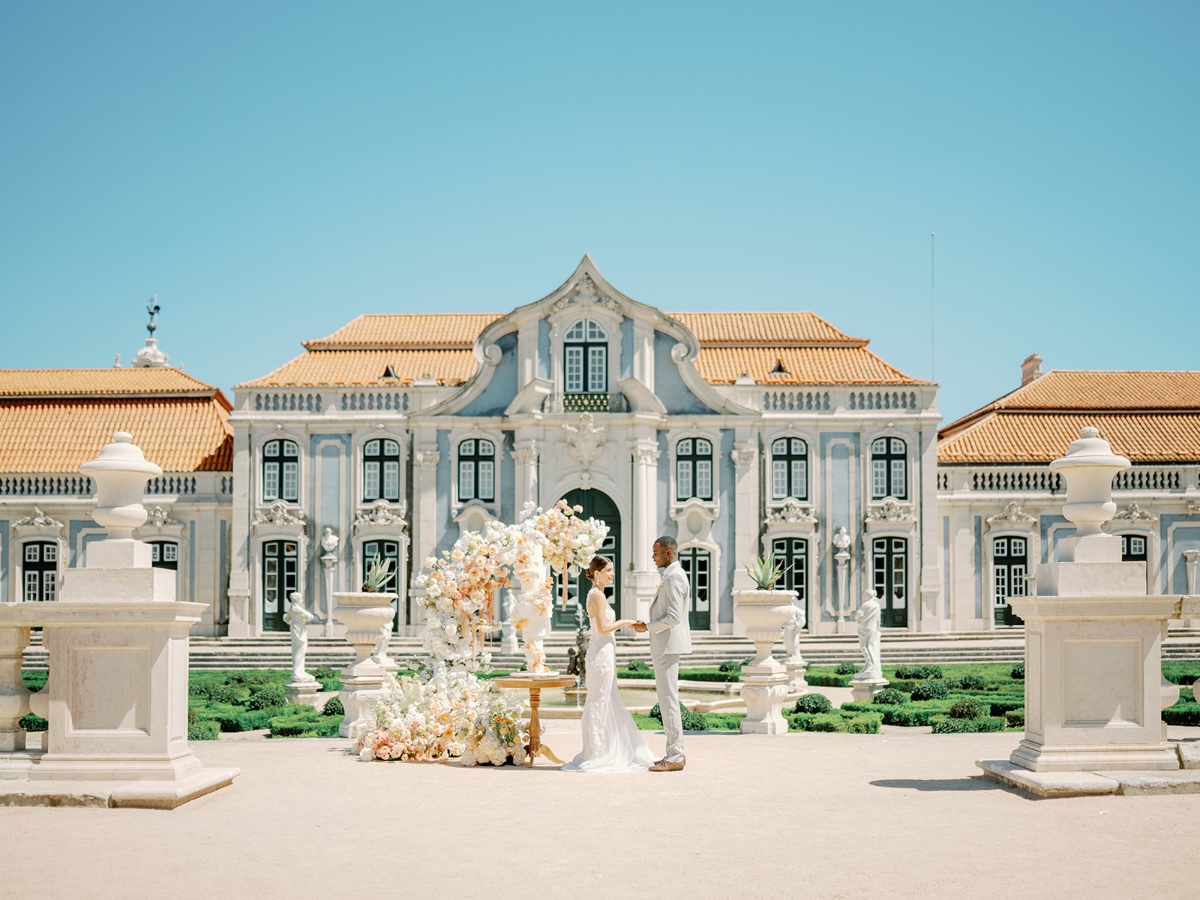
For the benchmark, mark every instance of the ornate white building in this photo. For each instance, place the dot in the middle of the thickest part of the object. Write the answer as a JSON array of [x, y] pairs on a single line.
[[53, 420], [1000, 506], [736, 432]]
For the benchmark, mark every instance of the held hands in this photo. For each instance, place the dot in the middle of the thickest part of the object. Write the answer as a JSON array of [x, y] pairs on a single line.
[[638, 626]]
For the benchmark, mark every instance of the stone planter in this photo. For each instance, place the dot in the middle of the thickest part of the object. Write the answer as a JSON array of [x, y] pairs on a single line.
[[368, 620], [764, 680]]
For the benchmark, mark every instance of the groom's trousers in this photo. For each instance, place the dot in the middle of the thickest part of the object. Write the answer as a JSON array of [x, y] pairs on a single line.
[[666, 681]]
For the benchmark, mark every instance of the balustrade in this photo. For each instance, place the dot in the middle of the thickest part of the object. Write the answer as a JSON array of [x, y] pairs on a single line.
[[792, 400], [379, 401], [288, 402]]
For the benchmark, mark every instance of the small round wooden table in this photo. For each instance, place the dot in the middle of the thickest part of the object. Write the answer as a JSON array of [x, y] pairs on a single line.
[[534, 683]]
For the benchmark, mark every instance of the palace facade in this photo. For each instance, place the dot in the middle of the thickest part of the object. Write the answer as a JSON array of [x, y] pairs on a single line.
[[739, 433]]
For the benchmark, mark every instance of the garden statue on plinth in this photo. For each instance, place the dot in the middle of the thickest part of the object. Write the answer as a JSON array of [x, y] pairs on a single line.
[[794, 660], [303, 687], [869, 681], [508, 634], [365, 614], [764, 680], [577, 655]]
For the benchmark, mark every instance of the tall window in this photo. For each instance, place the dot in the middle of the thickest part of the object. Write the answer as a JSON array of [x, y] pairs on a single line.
[[476, 470], [792, 553], [1133, 548], [281, 471], [697, 565], [789, 469], [164, 554], [585, 359], [889, 469], [889, 559], [693, 469], [381, 470], [41, 571], [281, 576], [1010, 564]]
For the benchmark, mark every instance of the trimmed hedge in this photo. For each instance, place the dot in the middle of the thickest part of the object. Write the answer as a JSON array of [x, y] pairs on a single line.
[[931, 689], [1185, 712], [838, 721], [30, 722], [1015, 718], [967, 708], [1018, 671], [908, 715], [203, 731], [813, 704], [267, 696], [692, 721], [915, 673], [967, 726], [333, 707], [846, 668], [890, 697], [826, 677], [309, 723]]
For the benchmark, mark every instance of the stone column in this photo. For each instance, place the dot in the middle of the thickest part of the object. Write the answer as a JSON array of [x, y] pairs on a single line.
[[747, 527], [424, 515], [841, 562], [240, 619], [643, 581], [525, 459], [933, 614]]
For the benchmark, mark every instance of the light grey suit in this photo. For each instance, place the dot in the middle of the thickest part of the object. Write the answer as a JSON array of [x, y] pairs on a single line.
[[669, 638]]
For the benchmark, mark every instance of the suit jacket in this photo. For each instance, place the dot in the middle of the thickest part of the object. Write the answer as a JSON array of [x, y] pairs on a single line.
[[668, 625]]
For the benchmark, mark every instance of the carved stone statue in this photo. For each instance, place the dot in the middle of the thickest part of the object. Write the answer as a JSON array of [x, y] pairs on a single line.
[[379, 651], [297, 617], [791, 634], [868, 636], [329, 540], [841, 538], [577, 655]]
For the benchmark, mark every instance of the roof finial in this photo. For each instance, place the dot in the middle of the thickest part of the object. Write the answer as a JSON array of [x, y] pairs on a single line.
[[152, 307], [150, 356]]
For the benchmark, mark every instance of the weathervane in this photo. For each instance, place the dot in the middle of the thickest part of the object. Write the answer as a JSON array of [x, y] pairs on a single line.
[[152, 308]]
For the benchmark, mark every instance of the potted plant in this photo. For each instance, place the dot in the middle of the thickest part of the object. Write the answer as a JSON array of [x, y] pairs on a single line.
[[764, 610], [377, 575], [367, 614]]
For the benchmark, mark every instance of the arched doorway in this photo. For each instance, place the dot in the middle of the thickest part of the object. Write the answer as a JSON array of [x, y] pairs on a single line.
[[596, 505]]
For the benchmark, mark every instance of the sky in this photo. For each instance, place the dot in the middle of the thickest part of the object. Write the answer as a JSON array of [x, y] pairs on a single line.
[[274, 169]]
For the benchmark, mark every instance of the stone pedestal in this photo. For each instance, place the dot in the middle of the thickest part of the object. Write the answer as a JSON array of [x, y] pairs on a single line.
[[304, 692], [795, 675], [862, 690], [764, 689], [363, 613]]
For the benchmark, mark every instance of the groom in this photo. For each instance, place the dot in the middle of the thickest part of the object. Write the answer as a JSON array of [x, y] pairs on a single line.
[[669, 639]]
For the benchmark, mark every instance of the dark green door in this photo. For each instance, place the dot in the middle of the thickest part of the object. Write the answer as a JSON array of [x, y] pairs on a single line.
[[1010, 562], [389, 550], [697, 564], [596, 505], [890, 558], [281, 576]]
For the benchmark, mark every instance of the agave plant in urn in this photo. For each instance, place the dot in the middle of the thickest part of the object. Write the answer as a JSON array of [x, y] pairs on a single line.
[[764, 611], [367, 615]]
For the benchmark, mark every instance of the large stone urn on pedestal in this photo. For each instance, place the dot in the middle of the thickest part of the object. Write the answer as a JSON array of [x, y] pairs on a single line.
[[116, 700], [1093, 640], [368, 619], [765, 679]]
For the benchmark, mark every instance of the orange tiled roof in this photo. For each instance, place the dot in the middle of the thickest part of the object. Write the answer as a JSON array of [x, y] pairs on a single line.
[[807, 348], [111, 382], [1146, 416], [379, 331], [367, 367], [185, 434]]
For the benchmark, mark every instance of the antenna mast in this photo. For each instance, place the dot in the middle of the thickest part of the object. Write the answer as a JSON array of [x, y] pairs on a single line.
[[932, 317]]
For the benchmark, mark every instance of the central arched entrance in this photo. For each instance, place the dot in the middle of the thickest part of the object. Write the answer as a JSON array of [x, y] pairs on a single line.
[[596, 505]]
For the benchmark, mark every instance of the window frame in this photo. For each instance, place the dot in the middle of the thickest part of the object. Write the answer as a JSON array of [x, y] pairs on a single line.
[[886, 463], [475, 460], [381, 459], [593, 348], [279, 476], [790, 458], [691, 462]]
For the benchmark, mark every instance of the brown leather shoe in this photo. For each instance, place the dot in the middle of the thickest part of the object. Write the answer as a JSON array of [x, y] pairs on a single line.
[[667, 765]]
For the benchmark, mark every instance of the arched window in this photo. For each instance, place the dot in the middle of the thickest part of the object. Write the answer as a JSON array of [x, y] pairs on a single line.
[[41, 571], [889, 469], [585, 359], [476, 470], [789, 469], [164, 554], [281, 471], [693, 469], [381, 470]]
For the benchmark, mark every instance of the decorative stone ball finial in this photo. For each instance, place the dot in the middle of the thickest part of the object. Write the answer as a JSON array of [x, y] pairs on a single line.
[[120, 472], [1088, 469]]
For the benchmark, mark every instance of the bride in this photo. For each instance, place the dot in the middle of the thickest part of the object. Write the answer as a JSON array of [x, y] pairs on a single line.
[[611, 741]]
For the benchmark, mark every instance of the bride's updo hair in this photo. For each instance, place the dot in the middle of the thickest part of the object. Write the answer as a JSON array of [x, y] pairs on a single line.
[[598, 564]]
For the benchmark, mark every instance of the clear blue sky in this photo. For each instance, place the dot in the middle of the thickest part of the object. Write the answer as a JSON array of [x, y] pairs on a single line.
[[274, 169]]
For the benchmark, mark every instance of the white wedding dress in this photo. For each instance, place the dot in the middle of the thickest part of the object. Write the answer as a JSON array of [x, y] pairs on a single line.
[[611, 740]]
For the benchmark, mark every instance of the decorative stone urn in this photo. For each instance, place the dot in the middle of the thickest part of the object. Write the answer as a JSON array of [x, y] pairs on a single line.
[[535, 628], [368, 619], [764, 680]]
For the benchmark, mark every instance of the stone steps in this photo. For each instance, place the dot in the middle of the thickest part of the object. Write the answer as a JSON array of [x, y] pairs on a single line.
[[273, 651]]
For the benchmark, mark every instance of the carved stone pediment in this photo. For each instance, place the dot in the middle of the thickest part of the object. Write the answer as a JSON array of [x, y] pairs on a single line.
[[695, 518], [585, 441], [1012, 514], [1134, 513], [792, 512], [891, 510], [38, 520], [585, 293], [278, 515], [157, 517], [381, 514]]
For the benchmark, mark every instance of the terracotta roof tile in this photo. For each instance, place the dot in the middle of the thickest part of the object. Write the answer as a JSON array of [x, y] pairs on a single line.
[[800, 365], [439, 345], [112, 382], [186, 434], [1042, 437], [1147, 416]]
